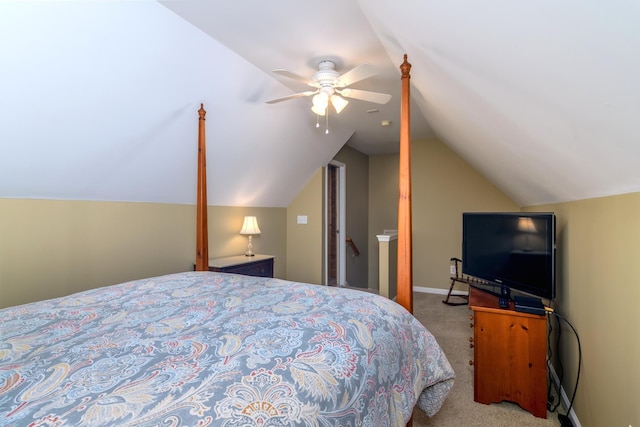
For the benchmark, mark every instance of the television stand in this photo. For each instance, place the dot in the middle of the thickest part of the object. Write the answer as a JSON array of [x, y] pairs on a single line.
[[509, 352]]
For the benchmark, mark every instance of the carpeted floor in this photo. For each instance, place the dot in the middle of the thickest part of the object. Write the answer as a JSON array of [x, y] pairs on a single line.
[[450, 326]]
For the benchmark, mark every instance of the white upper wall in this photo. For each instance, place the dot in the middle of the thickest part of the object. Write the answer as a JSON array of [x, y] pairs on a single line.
[[99, 100], [542, 97]]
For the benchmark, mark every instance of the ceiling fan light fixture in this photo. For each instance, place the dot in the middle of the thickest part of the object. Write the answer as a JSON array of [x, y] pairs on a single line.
[[339, 103]]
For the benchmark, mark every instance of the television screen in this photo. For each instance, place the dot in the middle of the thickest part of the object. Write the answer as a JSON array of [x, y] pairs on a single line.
[[516, 249]]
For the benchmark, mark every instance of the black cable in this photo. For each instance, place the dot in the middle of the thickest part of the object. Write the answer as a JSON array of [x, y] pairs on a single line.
[[549, 361], [564, 420], [560, 371], [553, 384]]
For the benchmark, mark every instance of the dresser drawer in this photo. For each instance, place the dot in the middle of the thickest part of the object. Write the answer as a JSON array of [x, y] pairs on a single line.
[[259, 268]]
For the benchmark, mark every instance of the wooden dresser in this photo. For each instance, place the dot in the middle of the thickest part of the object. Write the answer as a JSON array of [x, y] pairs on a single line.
[[509, 350], [257, 265]]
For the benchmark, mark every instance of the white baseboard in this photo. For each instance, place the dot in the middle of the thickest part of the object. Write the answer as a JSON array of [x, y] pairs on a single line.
[[437, 291], [565, 398]]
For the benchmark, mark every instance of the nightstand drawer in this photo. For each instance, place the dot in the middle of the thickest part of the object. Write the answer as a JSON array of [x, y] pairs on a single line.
[[258, 265]]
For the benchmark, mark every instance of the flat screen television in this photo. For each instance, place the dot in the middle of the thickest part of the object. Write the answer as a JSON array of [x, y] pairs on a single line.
[[512, 249]]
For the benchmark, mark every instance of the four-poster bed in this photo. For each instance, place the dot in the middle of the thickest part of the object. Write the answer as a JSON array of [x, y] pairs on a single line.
[[204, 348]]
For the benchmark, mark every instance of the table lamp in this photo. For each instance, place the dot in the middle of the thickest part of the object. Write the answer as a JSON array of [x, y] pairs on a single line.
[[250, 227]]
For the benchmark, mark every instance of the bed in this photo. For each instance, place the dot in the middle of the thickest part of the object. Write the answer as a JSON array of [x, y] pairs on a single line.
[[214, 349]]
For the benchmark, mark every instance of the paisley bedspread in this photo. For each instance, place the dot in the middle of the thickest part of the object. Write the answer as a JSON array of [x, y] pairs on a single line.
[[215, 349]]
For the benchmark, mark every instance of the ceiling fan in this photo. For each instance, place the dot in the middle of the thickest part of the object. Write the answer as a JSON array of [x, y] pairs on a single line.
[[331, 87]]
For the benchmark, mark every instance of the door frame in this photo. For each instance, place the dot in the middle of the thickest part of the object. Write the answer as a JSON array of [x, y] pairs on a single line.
[[341, 225]]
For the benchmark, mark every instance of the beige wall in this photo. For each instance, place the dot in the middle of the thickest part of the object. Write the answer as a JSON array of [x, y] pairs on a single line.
[[442, 187], [383, 206], [357, 227], [598, 292], [304, 241], [50, 248]]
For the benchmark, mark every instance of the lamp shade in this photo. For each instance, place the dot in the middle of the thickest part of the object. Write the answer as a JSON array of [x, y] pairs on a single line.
[[250, 226]]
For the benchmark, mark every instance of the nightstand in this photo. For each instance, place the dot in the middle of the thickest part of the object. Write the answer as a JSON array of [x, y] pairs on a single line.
[[257, 265]]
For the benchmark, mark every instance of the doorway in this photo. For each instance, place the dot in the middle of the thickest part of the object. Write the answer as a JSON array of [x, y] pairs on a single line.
[[335, 224]]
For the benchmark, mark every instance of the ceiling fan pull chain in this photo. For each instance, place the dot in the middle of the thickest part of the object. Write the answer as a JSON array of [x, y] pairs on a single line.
[[326, 115], [317, 121]]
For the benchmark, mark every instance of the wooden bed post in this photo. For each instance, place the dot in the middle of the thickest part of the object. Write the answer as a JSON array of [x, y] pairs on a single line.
[[202, 232], [405, 269], [405, 263]]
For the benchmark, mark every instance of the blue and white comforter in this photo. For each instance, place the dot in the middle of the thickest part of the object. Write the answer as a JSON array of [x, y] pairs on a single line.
[[213, 349]]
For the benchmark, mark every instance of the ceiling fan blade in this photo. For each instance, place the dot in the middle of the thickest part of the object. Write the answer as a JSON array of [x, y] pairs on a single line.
[[295, 95], [293, 76], [356, 74], [364, 95]]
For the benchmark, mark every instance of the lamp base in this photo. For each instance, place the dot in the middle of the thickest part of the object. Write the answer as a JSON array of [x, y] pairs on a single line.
[[249, 247]]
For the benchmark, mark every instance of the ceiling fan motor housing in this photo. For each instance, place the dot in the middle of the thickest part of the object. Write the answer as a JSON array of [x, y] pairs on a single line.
[[326, 77]]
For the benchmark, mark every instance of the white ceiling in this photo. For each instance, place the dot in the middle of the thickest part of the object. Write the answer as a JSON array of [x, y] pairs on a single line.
[[98, 100]]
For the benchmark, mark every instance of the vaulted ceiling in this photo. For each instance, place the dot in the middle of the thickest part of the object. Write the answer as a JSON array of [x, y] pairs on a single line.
[[99, 100]]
